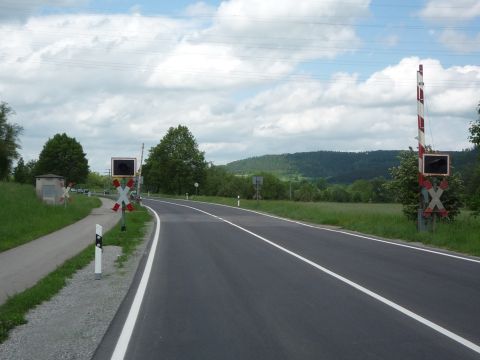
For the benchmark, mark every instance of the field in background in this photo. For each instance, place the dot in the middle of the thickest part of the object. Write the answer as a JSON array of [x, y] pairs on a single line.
[[23, 217], [385, 220]]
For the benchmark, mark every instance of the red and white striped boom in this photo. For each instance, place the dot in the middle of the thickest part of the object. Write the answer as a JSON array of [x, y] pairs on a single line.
[[421, 124]]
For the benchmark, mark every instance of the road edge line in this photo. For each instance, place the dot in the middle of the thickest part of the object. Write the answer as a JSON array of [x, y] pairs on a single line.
[[127, 330]]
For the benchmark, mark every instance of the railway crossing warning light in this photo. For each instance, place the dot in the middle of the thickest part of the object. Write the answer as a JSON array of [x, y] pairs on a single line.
[[123, 167], [436, 165]]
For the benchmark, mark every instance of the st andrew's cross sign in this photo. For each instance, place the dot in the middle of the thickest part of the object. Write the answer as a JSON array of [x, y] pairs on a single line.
[[123, 194]]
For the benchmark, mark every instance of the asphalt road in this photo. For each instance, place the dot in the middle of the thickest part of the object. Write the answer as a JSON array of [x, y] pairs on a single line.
[[225, 283]]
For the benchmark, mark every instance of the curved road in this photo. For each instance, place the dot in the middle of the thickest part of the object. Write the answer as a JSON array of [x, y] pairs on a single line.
[[225, 283]]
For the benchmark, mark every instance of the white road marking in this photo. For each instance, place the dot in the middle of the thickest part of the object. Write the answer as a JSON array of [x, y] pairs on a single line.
[[345, 233], [360, 288], [126, 334]]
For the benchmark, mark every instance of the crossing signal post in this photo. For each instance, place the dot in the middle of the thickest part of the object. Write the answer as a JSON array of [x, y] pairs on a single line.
[[123, 200], [435, 165], [65, 193], [431, 165], [123, 168], [422, 223]]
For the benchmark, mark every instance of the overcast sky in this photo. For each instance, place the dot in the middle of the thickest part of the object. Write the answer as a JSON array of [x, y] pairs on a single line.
[[247, 77]]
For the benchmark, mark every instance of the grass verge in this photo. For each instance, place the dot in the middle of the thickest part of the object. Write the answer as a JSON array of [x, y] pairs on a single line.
[[384, 220], [28, 217], [12, 312]]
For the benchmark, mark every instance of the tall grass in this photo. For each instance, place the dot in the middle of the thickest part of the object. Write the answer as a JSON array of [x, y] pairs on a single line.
[[23, 217], [385, 220]]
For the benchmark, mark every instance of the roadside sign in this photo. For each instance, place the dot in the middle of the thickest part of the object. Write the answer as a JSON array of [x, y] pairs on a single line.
[[66, 191], [257, 180], [196, 185], [65, 194]]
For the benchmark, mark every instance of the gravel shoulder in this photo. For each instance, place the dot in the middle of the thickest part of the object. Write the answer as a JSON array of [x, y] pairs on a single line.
[[72, 324]]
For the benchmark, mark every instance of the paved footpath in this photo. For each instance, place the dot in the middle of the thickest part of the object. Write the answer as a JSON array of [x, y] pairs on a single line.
[[23, 266]]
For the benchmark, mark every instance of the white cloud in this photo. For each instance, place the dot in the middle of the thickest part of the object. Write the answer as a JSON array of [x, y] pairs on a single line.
[[460, 41], [252, 42], [298, 30], [450, 11], [453, 12], [348, 114], [14, 10], [115, 81], [200, 9]]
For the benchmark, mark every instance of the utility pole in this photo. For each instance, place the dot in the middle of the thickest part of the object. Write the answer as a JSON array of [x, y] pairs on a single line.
[[140, 172]]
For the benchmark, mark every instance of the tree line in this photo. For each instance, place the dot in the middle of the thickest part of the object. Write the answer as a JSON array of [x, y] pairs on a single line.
[[176, 164]]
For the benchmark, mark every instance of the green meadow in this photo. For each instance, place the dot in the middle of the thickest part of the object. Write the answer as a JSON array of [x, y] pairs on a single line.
[[23, 217]]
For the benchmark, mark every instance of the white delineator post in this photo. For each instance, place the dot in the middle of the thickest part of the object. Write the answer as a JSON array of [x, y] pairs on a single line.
[[98, 251], [238, 200]]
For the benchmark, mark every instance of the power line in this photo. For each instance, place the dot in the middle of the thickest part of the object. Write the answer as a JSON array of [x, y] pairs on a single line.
[[294, 45], [247, 75], [321, 19], [229, 39]]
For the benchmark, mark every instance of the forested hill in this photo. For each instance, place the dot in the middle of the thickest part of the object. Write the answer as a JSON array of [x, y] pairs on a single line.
[[336, 167]]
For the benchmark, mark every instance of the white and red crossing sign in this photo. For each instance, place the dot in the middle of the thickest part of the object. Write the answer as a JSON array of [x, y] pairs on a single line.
[[66, 190], [123, 192], [435, 202]]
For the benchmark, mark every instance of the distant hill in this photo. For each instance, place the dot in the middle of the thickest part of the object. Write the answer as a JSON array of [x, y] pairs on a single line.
[[337, 167]]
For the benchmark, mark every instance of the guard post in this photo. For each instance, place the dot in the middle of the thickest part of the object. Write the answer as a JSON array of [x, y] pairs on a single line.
[[98, 251]]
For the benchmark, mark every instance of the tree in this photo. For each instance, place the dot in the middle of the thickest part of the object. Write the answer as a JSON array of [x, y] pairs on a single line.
[[475, 130], [95, 180], [272, 188], [361, 190], [24, 173], [474, 198], [381, 193], [234, 186], [8, 141], [405, 186], [338, 193], [306, 192], [175, 164], [64, 156]]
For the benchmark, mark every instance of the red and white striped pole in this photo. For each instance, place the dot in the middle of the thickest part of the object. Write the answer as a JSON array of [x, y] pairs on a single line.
[[423, 198], [421, 125]]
